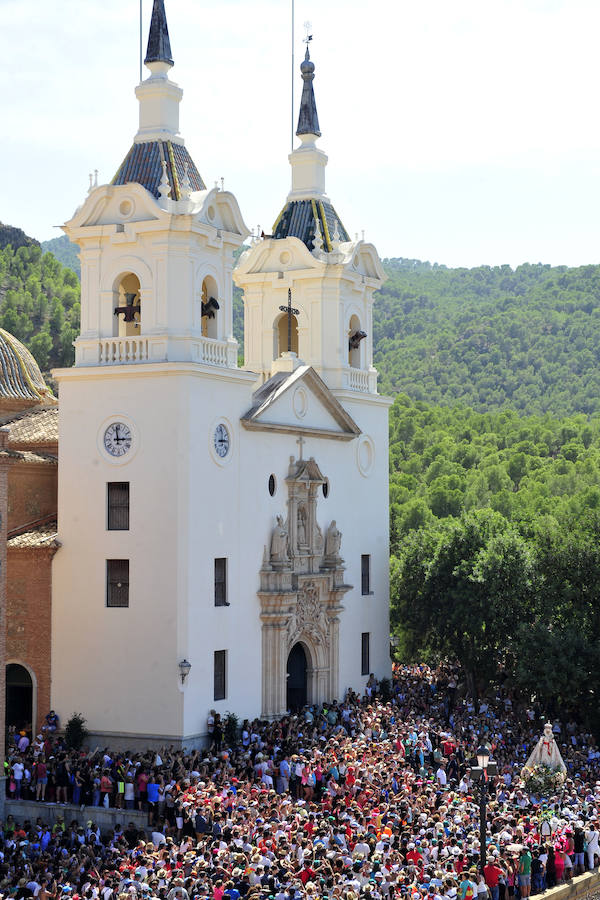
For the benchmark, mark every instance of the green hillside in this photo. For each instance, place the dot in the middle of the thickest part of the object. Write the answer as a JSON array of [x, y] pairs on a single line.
[[532, 469], [492, 338], [39, 303], [66, 253]]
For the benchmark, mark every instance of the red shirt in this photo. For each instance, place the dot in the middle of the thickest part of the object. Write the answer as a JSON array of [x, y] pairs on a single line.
[[491, 873], [307, 874]]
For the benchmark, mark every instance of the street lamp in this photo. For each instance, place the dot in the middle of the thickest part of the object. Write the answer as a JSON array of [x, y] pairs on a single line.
[[483, 757], [184, 669], [484, 768]]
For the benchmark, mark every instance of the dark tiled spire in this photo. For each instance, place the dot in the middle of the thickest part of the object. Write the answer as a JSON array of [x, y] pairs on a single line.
[[159, 46], [308, 120]]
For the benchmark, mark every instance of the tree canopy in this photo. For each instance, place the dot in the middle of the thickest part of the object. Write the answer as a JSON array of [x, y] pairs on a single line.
[[526, 339]]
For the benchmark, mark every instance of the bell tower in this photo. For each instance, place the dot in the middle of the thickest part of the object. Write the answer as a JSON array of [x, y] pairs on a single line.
[[329, 278], [149, 436], [156, 246]]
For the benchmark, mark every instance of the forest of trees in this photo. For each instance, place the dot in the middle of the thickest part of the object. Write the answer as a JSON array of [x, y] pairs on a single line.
[[526, 339], [495, 546], [39, 303], [494, 455]]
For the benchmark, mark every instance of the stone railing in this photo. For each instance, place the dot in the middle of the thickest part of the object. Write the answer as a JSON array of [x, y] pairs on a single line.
[[214, 353], [120, 351], [361, 380]]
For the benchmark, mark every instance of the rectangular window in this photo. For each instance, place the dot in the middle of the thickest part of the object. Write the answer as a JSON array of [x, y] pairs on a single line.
[[117, 495], [365, 574], [220, 691], [117, 582], [221, 582], [364, 653]]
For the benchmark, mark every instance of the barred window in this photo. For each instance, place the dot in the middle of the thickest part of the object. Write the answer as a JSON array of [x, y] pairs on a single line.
[[220, 680], [365, 574], [117, 582], [221, 582], [117, 496], [364, 653]]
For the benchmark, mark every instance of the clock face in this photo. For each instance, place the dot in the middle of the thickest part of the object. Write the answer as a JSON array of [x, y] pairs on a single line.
[[221, 440], [117, 439]]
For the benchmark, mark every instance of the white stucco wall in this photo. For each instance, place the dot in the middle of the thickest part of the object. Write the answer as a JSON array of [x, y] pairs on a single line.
[[119, 667]]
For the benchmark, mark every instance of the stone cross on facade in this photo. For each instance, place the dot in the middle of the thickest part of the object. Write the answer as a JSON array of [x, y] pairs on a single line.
[[301, 442], [290, 311]]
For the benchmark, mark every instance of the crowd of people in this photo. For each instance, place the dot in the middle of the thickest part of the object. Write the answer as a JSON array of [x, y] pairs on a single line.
[[371, 798]]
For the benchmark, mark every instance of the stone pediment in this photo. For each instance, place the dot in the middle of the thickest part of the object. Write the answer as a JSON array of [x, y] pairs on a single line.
[[115, 204], [299, 402]]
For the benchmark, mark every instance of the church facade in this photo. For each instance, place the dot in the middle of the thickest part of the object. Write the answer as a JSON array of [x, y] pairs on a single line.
[[223, 529]]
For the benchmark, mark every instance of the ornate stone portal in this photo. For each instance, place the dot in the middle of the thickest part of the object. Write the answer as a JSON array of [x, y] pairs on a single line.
[[301, 592]]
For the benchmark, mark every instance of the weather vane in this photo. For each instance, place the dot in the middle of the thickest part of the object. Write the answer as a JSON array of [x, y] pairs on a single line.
[[308, 37]]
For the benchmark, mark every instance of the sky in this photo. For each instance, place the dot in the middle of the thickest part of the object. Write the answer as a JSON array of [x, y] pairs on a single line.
[[463, 132]]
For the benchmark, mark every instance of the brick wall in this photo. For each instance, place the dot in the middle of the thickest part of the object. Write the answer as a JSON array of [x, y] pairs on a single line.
[[32, 493], [4, 468], [29, 617]]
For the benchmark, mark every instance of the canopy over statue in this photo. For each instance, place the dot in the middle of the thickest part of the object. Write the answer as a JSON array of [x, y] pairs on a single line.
[[546, 752]]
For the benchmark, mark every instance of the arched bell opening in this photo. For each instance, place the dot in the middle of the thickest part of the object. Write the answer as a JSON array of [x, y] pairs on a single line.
[[285, 337], [210, 308], [127, 306], [19, 697], [355, 338], [297, 677]]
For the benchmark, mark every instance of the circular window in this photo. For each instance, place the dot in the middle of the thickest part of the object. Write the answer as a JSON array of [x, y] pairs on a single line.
[[126, 208], [285, 257], [325, 488], [300, 402], [211, 212], [272, 485], [365, 455]]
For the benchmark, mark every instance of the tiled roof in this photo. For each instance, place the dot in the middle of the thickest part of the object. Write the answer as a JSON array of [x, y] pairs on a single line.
[[27, 456], [42, 536], [34, 426], [20, 376], [143, 164], [297, 219]]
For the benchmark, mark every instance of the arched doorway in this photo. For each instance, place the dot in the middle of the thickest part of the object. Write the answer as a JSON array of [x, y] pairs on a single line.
[[19, 696], [297, 666]]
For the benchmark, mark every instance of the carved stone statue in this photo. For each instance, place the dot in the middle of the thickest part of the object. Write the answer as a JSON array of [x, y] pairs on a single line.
[[279, 542], [333, 541], [301, 526], [319, 543]]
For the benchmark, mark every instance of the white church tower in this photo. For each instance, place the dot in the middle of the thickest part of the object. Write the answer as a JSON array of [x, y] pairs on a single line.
[[308, 298], [223, 530]]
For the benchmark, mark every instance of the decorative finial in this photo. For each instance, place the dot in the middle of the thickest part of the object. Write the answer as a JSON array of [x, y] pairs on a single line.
[[159, 45], [308, 120], [186, 185], [336, 239], [91, 187], [95, 178], [318, 241], [222, 184], [363, 234], [164, 188]]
